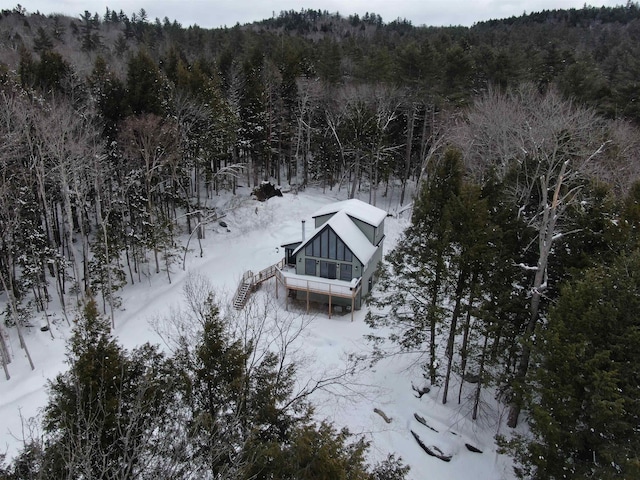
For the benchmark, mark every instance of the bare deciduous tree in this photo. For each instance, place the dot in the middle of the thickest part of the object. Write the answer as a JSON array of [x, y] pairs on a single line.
[[150, 143], [11, 181], [550, 146], [67, 140], [309, 93]]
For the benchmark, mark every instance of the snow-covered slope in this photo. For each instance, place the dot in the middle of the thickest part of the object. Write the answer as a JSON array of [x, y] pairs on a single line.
[[251, 242]]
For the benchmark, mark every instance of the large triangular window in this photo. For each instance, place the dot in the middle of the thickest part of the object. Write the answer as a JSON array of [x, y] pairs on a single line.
[[328, 245]]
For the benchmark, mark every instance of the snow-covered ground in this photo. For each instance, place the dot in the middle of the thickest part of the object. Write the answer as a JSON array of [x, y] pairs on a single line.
[[251, 242]]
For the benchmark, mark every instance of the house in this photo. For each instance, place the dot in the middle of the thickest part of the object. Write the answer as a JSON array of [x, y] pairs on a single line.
[[335, 263]]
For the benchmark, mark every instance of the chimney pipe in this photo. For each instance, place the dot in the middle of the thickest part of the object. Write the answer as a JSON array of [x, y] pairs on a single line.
[[303, 221]]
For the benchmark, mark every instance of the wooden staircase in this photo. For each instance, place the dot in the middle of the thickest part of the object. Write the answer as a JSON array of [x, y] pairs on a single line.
[[243, 291], [250, 281]]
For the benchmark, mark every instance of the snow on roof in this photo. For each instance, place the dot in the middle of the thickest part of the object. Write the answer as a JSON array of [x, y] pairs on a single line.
[[357, 209], [352, 236], [293, 243], [349, 233]]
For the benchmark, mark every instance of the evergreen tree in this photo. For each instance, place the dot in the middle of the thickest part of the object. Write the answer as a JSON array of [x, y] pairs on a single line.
[[244, 420], [108, 416], [474, 240], [85, 400], [213, 393], [253, 128], [145, 89], [597, 236], [110, 94], [584, 405], [90, 31], [319, 453], [42, 41], [242, 413], [50, 72], [417, 272]]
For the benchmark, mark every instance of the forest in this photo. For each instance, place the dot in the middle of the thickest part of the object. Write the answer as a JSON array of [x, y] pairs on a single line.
[[516, 141]]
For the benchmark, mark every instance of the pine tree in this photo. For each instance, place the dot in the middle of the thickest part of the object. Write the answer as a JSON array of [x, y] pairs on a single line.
[[42, 41], [474, 239], [214, 393], [145, 88], [584, 408], [418, 271], [253, 127], [90, 31], [110, 95], [244, 420], [108, 416], [85, 400]]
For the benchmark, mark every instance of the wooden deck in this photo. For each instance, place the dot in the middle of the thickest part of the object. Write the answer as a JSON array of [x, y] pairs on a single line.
[[302, 283], [318, 285]]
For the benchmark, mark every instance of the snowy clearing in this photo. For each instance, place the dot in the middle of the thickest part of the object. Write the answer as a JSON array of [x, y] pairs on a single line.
[[251, 241]]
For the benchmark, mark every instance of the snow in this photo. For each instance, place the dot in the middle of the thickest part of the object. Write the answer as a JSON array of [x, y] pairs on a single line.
[[334, 286], [352, 236], [357, 209], [349, 233], [255, 231], [527, 267]]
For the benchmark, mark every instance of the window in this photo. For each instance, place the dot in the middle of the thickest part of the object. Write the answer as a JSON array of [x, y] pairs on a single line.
[[310, 267], [346, 270], [324, 244], [333, 239], [316, 246], [328, 270], [328, 245]]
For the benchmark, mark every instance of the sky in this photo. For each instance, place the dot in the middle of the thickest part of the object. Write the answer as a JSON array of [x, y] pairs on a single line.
[[220, 13]]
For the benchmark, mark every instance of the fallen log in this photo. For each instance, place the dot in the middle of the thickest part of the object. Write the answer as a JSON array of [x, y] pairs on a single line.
[[383, 415], [432, 450], [424, 422], [471, 448]]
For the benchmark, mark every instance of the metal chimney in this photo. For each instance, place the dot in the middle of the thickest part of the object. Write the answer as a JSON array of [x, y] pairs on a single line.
[[303, 221]]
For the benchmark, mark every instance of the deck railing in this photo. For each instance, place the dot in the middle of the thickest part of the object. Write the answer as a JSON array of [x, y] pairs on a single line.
[[267, 273], [318, 285], [250, 280]]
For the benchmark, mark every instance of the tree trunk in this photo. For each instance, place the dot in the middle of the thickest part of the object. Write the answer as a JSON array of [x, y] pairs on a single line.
[[476, 400], [375, 180], [48, 224], [523, 364], [68, 231], [126, 253], [307, 151], [46, 317], [465, 338], [371, 184], [356, 176], [407, 154], [452, 331], [424, 145], [433, 320], [4, 354], [546, 234], [167, 263], [8, 287]]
